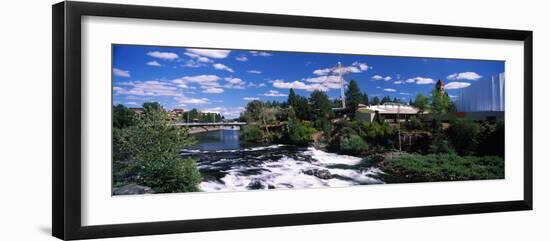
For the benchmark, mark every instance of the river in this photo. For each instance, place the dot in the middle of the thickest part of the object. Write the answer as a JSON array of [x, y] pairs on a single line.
[[226, 164]]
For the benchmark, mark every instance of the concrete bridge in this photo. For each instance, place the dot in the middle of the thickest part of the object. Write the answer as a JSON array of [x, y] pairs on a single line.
[[205, 124]]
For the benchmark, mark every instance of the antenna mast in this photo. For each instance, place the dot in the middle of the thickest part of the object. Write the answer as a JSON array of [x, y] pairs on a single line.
[[342, 94]]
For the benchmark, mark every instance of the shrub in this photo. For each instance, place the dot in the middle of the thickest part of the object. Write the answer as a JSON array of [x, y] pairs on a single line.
[[491, 139], [300, 132], [252, 133], [172, 174], [148, 154], [377, 133], [446, 167], [462, 135], [414, 124], [353, 144], [440, 144]]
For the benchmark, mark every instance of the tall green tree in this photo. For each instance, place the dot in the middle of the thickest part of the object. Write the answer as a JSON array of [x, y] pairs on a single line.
[[152, 105], [123, 117], [375, 101], [291, 98], [321, 104], [440, 102], [353, 96], [421, 103], [365, 99]]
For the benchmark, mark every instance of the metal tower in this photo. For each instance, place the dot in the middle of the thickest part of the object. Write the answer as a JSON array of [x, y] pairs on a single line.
[[342, 83]]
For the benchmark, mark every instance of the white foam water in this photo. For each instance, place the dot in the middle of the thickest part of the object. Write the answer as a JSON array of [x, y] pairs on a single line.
[[287, 172]]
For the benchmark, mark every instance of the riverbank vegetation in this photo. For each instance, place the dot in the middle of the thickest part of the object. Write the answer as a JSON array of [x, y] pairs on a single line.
[[459, 149], [146, 151]]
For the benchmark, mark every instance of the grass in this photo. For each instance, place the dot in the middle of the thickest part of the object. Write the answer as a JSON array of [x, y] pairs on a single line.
[[446, 167]]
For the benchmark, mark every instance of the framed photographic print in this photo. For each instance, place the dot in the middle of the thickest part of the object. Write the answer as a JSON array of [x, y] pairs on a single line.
[[170, 120]]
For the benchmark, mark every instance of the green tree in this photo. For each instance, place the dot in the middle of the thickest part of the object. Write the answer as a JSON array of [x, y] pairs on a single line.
[[421, 103], [321, 104], [440, 102], [365, 99], [292, 98], [152, 105], [123, 117], [353, 97], [150, 152], [375, 101], [299, 132], [303, 109], [463, 135]]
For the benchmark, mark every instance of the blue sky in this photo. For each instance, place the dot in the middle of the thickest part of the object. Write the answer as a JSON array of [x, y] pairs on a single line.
[[223, 81]]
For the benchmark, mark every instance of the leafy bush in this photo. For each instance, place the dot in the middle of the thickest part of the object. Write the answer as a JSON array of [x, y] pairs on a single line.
[[172, 174], [148, 154], [414, 124], [462, 135], [123, 117], [491, 139], [353, 144], [377, 133], [446, 167], [300, 132], [440, 144], [252, 133]]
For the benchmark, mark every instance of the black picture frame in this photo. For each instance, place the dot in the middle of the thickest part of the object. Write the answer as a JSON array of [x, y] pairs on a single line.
[[66, 128]]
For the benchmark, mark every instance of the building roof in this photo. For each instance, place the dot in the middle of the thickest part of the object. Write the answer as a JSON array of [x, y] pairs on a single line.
[[391, 108]]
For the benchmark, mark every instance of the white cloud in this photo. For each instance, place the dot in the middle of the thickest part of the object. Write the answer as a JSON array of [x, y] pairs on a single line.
[[325, 71], [209, 83], [274, 93], [420, 80], [355, 67], [250, 84], [299, 85], [464, 76], [404, 93], [253, 71], [241, 58], [398, 82], [212, 90], [456, 85], [121, 73], [235, 83], [379, 77], [390, 90], [194, 101], [198, 58], [147, 88], [197, 79], [219, 66], [154, 63], [193, 64], [210, 53], [251, 98], [132, 103], [163, 55], [260, 53]]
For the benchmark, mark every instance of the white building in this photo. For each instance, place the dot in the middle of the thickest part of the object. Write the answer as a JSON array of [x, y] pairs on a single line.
[[486, 94]]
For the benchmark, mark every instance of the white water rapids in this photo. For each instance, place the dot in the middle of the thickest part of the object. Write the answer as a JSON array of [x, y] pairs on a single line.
[[280, 167]]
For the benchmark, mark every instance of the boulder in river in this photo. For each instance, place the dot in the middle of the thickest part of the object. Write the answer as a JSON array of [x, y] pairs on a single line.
[[319, 173], [132, 189]]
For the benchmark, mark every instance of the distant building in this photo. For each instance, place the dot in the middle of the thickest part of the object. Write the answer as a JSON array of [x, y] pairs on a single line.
[[137, 110], [387, 112], [178, 112], [440, 86], [484, 95]]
